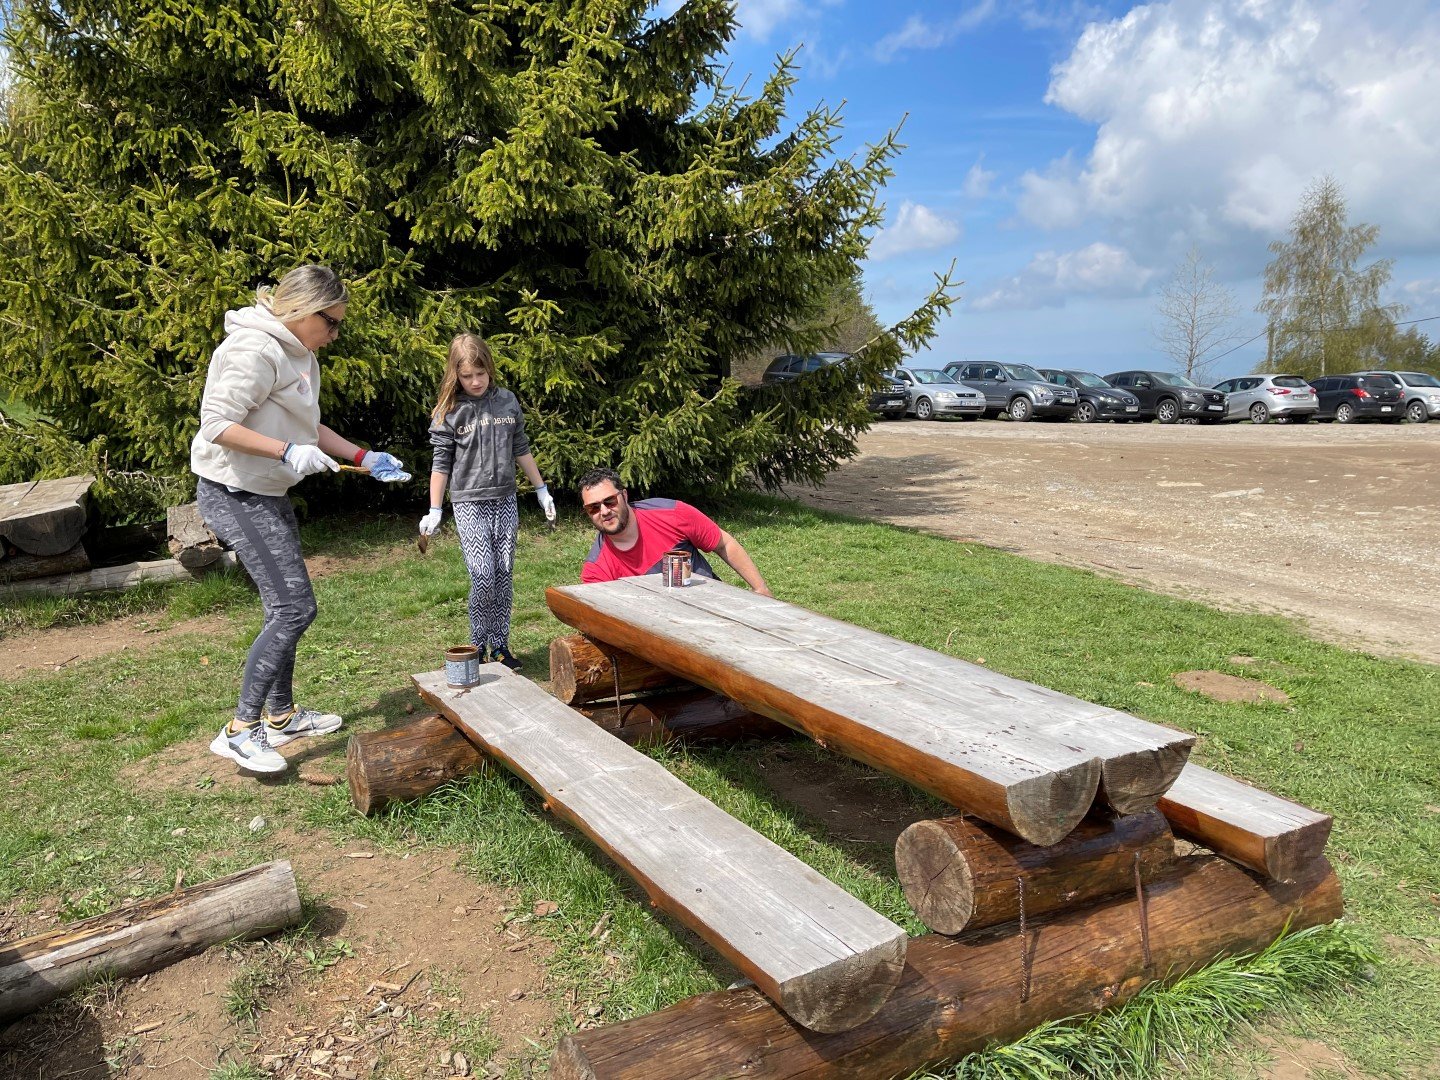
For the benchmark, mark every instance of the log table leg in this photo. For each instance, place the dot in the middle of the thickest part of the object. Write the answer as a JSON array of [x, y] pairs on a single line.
[[962, 874], [581, 670]]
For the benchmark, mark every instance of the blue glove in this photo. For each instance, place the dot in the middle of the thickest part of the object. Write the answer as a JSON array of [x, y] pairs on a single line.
[[384, 467]]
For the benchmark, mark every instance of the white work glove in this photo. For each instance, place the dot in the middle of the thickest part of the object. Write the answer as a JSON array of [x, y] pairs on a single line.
[[547, 502], [430, 523], [308, 460], [384, 467]]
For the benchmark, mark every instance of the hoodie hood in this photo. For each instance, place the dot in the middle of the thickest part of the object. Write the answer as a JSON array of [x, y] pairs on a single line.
[[258, 317]]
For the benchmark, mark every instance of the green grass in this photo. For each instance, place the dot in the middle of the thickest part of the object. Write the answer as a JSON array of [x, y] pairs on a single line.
[[1358, 740]]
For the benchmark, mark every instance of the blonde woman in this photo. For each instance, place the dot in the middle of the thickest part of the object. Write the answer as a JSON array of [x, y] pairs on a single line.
[[260, 434], [478, 432]]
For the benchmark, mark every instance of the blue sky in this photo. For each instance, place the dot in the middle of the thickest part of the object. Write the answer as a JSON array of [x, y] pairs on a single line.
[[1067, 155]]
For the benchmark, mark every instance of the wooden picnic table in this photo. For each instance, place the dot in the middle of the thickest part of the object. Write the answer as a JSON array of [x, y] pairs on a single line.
[[1025, 758]]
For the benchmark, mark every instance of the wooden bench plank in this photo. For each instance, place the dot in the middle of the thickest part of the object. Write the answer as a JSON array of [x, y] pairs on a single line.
[[1138, 760], [1270, 835], [1021, 780], [45, 517], [821, 955]]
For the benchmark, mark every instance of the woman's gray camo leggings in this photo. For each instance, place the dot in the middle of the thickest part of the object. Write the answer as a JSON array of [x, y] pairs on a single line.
[[262, 530]]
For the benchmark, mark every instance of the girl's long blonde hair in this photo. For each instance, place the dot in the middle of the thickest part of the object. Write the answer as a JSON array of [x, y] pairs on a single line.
[[464, 349]]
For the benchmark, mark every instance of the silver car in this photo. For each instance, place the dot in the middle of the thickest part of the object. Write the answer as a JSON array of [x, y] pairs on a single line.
[[1262, 398], [1422, 393], [932, 394]]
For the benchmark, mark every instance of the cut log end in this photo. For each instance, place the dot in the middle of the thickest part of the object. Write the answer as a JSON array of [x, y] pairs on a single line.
[[355, 772], [935, 876], [1133, 783], [569, 1062], [846, 993], [1045, 809], [1296, 856]]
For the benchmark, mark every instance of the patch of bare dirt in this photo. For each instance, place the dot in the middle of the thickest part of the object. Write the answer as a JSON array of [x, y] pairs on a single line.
[[190, 766], [1248, 518], [65, 645], [1302, 1059], [405, 948], [1217, 686]]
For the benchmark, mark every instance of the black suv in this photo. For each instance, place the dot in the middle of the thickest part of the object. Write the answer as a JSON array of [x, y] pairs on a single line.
[[1169, 397], [1347, 398], [1098, 399], [890, 402]]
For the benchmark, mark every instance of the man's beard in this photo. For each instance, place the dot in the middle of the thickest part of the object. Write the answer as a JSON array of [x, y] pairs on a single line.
[[622, 519]]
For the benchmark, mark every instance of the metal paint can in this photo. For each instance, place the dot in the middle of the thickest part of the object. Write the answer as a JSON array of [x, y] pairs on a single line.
[[462, 667], [675, 568]]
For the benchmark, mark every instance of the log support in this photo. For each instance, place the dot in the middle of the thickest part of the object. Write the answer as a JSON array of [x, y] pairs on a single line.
[[961, 994], [585, 670]]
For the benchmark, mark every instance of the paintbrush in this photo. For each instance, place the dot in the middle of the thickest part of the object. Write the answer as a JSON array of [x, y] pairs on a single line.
[[354, 468]]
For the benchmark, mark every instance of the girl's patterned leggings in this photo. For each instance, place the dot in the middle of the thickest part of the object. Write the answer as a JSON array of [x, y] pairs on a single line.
[[487, 537]]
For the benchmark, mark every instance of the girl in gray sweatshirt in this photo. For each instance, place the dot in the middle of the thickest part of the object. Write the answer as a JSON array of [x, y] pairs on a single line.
[[478, 433]]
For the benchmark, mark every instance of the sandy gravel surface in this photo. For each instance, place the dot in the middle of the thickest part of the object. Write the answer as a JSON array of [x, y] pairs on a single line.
[[1336, 526]]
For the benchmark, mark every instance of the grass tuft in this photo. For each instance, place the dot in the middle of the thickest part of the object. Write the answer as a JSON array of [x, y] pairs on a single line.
[[1170, 1023]]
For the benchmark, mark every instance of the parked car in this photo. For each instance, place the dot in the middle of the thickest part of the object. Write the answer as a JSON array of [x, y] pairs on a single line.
[[1017, 389], [1098, 399], [1422, 393], [1261, 397], [1169, 397], [891, 401], [933, 394], [1347, 398]]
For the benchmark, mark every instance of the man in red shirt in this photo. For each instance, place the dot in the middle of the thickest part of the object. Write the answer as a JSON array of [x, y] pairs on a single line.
[[633, 539]]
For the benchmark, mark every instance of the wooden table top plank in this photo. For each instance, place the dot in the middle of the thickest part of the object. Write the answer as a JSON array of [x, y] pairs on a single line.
[[821, 954], [1004, 772]]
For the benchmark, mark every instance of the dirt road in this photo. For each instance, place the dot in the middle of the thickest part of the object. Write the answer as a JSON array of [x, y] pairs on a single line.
[[1336, 526]]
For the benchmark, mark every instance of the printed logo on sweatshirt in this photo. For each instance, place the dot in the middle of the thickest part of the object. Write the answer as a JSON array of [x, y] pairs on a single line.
[[484, 421], [304, 387]]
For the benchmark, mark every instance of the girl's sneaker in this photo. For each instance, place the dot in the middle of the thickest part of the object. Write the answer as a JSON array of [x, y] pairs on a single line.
[[248, 748], [298, 723], [502, 655]]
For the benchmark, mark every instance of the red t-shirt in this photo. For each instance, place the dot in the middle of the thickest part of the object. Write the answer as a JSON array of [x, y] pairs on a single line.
[[664, 524]]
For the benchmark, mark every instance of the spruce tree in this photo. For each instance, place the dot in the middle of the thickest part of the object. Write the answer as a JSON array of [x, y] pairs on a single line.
[[572, 181]]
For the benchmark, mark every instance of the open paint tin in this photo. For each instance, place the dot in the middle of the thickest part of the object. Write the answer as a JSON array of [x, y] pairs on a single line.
[[462, 667]]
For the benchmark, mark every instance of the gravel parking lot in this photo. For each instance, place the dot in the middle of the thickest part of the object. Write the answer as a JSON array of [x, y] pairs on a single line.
[[1335, 526]]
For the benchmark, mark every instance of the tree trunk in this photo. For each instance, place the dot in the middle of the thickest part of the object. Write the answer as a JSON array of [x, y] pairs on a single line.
[[190, 540], [116, 577], [22, 567], [960, 994], [147, 936], [1270, 835], [406, 762], [962, 874], [581, 670], [691, 715]]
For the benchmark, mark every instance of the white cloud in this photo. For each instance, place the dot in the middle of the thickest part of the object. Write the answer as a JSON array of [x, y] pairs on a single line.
[[1098, 270], [1422, 296], [760, 17], [978, 179], [1214, 116], [914, 228], [919, 33]]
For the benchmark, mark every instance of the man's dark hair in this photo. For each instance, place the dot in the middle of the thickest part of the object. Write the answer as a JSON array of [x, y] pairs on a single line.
[[599, 475]]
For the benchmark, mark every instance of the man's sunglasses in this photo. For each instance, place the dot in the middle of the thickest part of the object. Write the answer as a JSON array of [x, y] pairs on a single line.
[[609, 503], [330, 321]]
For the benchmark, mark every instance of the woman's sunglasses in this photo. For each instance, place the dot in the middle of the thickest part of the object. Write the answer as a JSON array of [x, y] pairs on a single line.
[[331, 323], [609, 503]]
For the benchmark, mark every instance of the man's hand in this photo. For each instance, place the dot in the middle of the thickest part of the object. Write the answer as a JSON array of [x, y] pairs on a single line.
[[386, 468], [308, 460]]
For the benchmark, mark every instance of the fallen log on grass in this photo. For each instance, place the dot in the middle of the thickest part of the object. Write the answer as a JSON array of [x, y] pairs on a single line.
[[406, 762], [583, 670], [147, 936], [961, 994], [1270, 835], [124, 576], [977, 754], [824, 957], [962, 874]]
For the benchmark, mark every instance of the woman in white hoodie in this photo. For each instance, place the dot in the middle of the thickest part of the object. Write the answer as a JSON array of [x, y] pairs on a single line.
[[260, 433]]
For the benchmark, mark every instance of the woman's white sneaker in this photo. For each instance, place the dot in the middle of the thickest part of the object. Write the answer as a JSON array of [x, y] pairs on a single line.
[[249, 748], [299, 723]]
